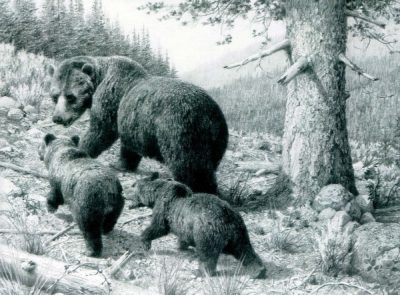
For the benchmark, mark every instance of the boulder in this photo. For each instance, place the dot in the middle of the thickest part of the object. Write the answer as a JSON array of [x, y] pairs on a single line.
[[30, 109], [3, 143], [8, 103], [376, 253], [15, 114], [7, 188], [365, 203], [340, 219], [326, 214], [353, 210], [367, 218], [333, 196], [35, 134]]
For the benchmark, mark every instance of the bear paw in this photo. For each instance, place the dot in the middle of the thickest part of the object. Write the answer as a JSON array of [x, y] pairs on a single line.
[[146, 245], [51, 208]]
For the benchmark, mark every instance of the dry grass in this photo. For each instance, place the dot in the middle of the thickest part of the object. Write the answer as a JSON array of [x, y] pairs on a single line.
[[169, 278], [282, 240], [236, 190]]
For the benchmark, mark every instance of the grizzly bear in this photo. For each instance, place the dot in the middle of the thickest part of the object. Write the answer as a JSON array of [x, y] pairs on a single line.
[[200, 220], [92, 191], [171, 121]]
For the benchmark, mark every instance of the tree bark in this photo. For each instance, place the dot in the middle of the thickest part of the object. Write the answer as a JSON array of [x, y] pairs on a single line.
[[316, 149]]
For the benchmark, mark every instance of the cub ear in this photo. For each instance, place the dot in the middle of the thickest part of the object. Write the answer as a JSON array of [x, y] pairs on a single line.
[[88, 69], [75, 139], [154, 176], [49, 138], [50, 70]]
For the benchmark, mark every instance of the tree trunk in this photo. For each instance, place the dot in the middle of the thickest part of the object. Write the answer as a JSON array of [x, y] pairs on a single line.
[[316, 149]]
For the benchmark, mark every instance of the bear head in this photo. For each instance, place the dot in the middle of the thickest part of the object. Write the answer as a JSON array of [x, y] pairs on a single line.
[[71, 89], [147, 191], [51, 142]]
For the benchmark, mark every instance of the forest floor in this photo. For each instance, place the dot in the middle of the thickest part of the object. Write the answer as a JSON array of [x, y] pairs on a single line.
[[285, 239]]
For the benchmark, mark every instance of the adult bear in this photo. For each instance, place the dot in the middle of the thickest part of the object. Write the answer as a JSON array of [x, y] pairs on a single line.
[[162, 118]]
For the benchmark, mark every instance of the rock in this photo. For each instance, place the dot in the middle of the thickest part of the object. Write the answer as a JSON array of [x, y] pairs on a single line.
[[34, 118], [35, 134], [340, 219], [7, 188], [376, 253], [353, 210], [326, 214], [367, 218], [30, 109], [333, 196], [359, 170], [365, 203], [15, 114], [350, 227], [3, 143], [8, 103]]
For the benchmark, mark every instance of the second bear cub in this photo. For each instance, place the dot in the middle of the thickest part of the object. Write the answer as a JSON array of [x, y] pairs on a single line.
[[200, 220], [92, 190]]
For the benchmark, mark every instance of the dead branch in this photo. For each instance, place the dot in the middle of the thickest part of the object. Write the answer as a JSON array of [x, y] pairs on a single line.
[[255, 166], [341, 284], [354, 14], [115, 268], [299, 66], [283, 45], [355, 68], [60, 233], [40, 233], [57, 277], [136, 218], [23, 170]]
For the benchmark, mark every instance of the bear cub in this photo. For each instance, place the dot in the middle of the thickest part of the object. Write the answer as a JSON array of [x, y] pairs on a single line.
[[92, 191], [200, 220]]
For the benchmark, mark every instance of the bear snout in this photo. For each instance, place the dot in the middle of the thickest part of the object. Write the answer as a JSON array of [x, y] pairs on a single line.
[[57, 119]]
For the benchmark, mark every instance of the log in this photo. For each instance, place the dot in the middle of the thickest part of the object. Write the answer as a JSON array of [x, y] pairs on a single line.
[[60, 233], [58, 277], [388, 215], [23, 170], [295, 69], [283, 45], [40, 233], [256, 166]]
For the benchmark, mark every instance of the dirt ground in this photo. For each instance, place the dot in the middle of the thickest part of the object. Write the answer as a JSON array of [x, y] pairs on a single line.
[[288, 249]]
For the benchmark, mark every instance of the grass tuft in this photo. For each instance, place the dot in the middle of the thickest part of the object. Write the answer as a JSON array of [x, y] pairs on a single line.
[[169, 278]]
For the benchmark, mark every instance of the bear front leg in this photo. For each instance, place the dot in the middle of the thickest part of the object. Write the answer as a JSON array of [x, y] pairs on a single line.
[[129, 160], [157, 229], [54, 199], [97, 139]]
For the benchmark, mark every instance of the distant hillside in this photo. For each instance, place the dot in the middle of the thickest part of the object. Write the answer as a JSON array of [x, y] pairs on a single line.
[[257, 103]]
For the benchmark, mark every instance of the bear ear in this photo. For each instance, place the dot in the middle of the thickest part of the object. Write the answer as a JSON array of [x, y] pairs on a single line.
[[75, 139], [49, 138], [180, 191], [50, 70], [88, 69], [154, 176]]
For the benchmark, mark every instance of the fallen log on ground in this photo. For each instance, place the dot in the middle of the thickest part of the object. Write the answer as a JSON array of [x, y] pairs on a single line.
[[58, 277], [23, 170], [253, 166]]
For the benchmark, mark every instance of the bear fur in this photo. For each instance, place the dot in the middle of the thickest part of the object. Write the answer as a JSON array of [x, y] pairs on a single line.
[[92, 191], [200, 220], [162, 118]]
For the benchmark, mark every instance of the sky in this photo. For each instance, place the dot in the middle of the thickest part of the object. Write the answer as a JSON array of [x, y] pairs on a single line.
[[188, 46]]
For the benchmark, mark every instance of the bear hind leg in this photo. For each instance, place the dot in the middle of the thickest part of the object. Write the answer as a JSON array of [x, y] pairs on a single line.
[[200, 180], [252, 263], [110, 219], [91, 229]]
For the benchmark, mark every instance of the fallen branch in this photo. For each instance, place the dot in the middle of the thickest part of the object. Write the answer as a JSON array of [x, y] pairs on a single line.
[[355, 68], [136, 218], [255, 166], [60, 233], [299, 66], [341, 284], [283, 45], [116, 267], [365, 18], [40, 233], [23, 170], [58, 277]]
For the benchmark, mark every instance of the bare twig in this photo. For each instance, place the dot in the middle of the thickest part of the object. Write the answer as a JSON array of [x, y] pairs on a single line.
[[60, 233], [355, 68], [115, 268], [23, 170], [283, 45], [18, 232], [299, 66], [341, 284], [136, 218], [365, 18]]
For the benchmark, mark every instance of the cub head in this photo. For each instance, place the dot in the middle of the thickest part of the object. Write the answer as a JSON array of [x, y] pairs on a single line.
[[148, 190], [71, 89], [51, 142]]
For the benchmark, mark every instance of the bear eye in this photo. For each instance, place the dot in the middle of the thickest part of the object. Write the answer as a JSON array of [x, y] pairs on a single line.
[[70, 98]]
